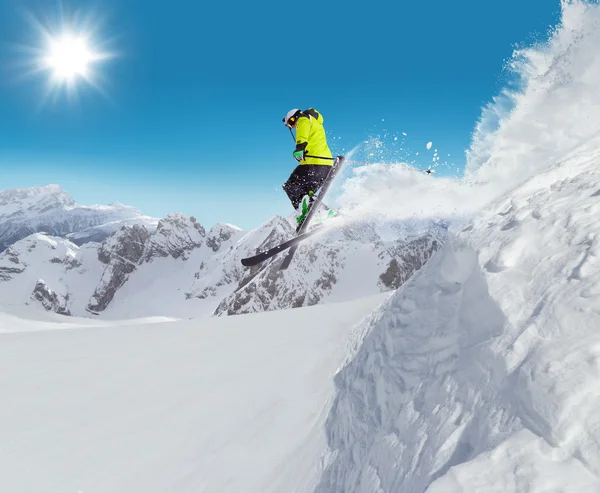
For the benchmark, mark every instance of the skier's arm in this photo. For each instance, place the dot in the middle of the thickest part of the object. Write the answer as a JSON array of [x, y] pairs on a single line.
[[302, 132]]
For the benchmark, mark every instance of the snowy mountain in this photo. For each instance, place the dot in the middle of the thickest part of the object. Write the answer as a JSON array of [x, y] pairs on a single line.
[[353, 261], [478, 375], [180, 270], [51, 210], [50, 271]]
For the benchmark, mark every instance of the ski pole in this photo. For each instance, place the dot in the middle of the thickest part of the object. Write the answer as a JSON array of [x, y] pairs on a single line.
[[427, 171], [321, 157]]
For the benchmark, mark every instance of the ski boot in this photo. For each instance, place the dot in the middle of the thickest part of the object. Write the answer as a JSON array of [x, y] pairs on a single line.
[[328, 214], [304, 207]]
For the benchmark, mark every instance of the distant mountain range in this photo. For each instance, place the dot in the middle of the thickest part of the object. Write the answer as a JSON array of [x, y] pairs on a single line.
[[51, 210], [112, 261]]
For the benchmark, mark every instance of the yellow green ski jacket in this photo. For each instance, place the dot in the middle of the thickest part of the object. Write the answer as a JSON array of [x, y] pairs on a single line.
[[310, 136]]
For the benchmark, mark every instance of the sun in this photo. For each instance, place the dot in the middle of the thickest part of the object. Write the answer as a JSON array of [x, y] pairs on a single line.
[[69, 57], [69, 52]]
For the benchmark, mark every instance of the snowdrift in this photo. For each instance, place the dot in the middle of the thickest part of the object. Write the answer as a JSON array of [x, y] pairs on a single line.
[[481, 374]]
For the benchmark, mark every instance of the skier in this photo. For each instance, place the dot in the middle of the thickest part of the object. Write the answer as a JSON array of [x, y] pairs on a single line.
[[311, 147]]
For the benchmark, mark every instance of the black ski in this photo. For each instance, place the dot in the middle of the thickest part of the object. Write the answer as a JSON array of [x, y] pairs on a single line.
[[303, 234], [262, 256], [313, 208]]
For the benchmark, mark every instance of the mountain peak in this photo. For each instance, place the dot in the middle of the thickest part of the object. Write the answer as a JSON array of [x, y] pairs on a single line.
[[36, 197], [50, 209], [50, 188]]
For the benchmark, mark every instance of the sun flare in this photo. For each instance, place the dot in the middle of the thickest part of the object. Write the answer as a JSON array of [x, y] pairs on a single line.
[[70, 56], [70, 52]]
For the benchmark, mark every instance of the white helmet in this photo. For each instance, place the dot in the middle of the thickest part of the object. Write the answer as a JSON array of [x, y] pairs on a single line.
[[291, 117]]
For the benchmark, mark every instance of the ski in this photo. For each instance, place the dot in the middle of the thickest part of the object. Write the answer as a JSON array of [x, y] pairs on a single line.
[[302, 233], [313, 208], [267, 254]]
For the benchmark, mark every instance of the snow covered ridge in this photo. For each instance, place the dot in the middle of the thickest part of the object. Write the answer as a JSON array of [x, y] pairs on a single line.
[[51, 210], [555, 108], [481, 373], [181, 270], [359, 260]]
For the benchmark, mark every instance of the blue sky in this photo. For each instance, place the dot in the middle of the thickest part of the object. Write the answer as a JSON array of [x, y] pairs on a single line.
[[188, 115]]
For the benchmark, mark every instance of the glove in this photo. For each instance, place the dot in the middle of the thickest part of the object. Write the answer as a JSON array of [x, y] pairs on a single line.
[[300, 151], [299, 155]]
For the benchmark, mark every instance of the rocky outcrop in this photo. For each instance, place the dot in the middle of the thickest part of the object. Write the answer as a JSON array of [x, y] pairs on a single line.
[[121, 254], [10, 265], [408, 258], [49, 299], [219, 234], [176, 236], [320, 265], [180, 269]]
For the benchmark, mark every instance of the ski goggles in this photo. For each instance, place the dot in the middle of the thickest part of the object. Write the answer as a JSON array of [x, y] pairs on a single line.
[[291, 121]]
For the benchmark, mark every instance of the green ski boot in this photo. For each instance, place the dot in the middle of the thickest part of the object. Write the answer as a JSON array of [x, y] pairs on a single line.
[[305, 207]]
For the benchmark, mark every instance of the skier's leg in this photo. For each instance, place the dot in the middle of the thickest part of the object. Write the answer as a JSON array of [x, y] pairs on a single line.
[[317, 176], [315, 179], [303, 183], [295, 186]]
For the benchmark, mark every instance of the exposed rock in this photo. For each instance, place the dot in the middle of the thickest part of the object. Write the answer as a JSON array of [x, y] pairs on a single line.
[[175, 236], [179, 268], [408, 258], [127, 245], [219, 234], [49, 299], [121, 253], [7, 274], [318, 265], [8, 271]]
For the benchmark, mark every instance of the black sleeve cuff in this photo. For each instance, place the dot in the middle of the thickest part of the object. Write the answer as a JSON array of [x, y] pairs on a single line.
[[301, 147]]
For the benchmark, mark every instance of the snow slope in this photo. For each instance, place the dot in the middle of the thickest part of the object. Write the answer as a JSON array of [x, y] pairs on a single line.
[[481, 374], [226, 404]]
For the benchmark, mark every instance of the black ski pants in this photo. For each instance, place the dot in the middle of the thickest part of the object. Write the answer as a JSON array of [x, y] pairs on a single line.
[[304, 178]]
